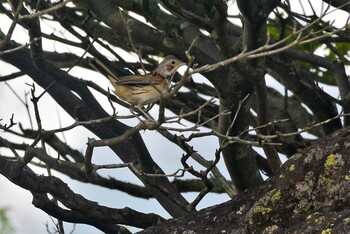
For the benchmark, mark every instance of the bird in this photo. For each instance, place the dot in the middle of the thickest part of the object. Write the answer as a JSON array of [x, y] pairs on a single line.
[[141, 90]]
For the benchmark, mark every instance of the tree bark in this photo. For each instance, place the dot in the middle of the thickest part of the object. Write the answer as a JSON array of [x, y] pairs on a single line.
[[309, 194]]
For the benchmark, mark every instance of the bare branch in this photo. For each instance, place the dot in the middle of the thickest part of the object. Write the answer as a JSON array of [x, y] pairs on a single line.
[[8, 36], [10, 125], [46, 11]]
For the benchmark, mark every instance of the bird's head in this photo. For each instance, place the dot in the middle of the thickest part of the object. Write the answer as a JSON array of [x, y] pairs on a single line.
[[168, 66]]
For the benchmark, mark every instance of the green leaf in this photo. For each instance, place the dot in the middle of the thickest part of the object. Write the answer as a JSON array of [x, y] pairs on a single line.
[[5, 224]]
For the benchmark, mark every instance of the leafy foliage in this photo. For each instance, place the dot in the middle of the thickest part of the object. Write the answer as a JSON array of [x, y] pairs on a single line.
[[5, 223]]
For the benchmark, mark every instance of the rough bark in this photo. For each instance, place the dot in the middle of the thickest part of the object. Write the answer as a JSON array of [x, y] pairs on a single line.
[[309, 194]]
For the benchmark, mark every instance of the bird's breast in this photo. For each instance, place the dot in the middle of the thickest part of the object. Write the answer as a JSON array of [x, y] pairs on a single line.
[[141, 94]]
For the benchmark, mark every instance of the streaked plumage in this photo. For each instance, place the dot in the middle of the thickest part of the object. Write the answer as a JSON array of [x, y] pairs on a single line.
[[145, 89]]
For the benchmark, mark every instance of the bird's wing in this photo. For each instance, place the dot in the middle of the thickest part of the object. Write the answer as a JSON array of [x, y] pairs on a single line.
[[148, 79]]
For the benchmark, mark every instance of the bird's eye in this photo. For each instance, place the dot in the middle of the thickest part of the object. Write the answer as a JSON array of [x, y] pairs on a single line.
[[173, 62]]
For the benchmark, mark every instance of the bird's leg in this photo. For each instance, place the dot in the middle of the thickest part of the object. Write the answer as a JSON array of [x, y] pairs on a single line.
[[134, 113], [140, 107]]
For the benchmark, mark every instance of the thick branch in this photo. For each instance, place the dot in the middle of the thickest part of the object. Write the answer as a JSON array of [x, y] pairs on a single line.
[[75, 202]]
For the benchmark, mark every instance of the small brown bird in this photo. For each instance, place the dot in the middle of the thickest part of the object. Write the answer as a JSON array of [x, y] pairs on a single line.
[[140, 90]]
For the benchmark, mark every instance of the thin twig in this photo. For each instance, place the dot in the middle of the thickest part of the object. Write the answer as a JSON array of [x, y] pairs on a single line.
[[8, 36], [46, 11], [129, 30], [268, 49]]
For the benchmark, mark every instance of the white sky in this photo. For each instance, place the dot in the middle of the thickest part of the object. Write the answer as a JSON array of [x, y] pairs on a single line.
[[28, 219]]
